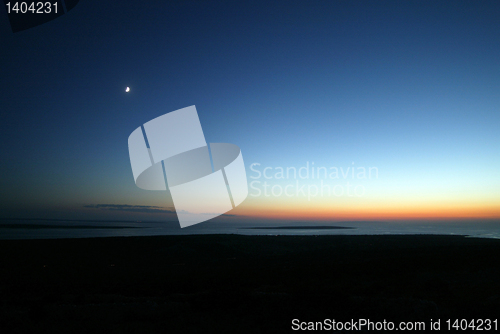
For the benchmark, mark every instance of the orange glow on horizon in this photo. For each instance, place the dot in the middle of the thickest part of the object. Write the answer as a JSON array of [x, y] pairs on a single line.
[[373, 211]]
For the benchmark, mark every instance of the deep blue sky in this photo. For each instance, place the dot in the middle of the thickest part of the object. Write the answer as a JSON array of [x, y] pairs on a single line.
[[412, 87]]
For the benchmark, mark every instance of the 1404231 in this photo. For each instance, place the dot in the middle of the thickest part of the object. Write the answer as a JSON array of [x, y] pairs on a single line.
[[32, 7]]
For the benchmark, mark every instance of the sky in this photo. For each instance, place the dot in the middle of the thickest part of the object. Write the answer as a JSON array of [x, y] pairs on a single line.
[[409, 90]]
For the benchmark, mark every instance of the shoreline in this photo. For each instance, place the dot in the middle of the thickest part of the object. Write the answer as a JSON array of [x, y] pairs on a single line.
[[469, 236]]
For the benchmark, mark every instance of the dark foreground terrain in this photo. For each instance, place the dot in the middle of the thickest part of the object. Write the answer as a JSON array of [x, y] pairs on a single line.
[[242, 284]]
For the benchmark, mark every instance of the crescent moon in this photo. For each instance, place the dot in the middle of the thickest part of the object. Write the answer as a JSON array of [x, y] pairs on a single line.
[[127, 89]]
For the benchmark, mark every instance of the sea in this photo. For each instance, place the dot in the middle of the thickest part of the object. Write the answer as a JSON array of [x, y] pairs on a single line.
[[11, 229]]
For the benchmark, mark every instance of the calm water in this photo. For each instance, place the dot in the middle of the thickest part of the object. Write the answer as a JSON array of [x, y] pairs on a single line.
[[50, 229]]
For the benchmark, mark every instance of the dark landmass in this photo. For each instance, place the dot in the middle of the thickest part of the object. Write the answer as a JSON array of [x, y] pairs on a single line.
[[242, 284], [300, 228], [70, 220], [65, 227]]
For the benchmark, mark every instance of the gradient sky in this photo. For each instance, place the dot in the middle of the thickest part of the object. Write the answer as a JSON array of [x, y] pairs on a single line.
[[409, 87]]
